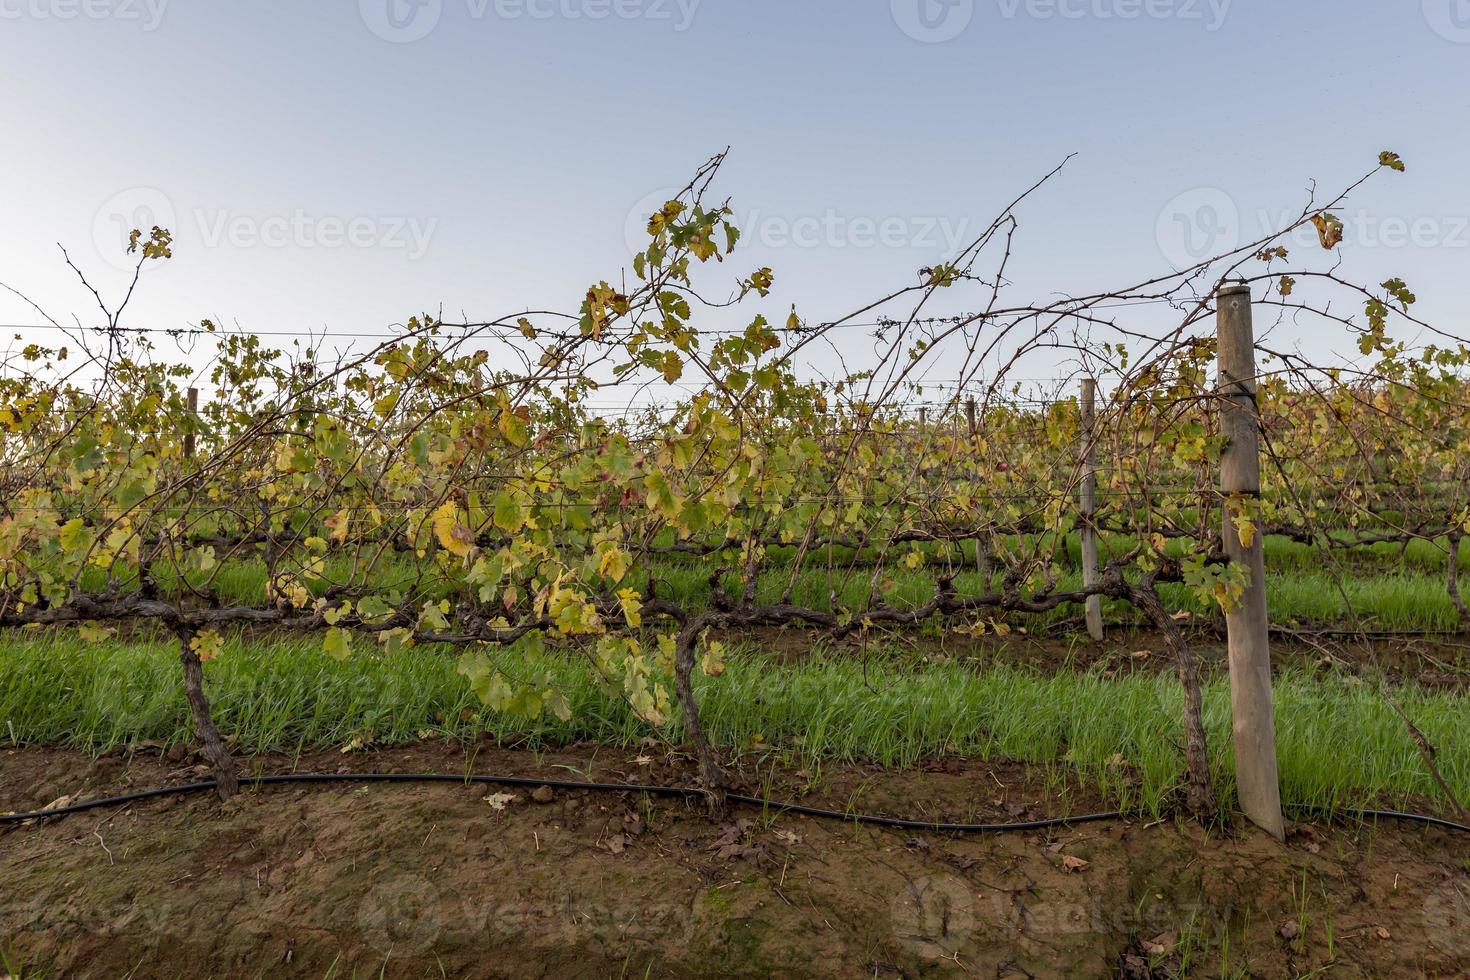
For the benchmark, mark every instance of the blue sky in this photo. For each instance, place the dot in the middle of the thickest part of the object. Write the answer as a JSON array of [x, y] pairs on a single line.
[[337, 165]]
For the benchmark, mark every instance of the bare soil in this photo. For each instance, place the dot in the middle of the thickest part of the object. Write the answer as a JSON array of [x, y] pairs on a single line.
[[476, 881]]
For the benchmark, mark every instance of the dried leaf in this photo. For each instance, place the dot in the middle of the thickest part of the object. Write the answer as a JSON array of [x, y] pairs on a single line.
[[499, 801]]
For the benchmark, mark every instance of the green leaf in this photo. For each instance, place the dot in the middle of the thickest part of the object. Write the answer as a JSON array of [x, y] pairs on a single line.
[[508, 514], [74, 536], [337, 643]]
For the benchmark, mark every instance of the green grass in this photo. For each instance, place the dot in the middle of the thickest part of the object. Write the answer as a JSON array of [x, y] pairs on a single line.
[[1338, 742]]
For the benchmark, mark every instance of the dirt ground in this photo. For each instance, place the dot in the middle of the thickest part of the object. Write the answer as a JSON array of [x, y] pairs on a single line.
[[476, 881]]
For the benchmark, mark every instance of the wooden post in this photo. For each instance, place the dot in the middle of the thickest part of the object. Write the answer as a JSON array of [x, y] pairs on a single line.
[[193, 415], [1253, 719], [1087, 502], [970, 414]]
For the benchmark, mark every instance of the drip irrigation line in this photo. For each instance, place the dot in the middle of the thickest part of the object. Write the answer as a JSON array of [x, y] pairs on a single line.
[[684, 792]]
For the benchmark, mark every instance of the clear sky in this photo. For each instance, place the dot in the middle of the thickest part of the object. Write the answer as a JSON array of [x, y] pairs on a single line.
[[338, 165]]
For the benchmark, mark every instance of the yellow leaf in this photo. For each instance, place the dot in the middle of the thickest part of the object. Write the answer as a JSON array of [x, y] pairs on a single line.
[[452, 536], [94, 632], [206, 644], [614, 564], [713, 661]]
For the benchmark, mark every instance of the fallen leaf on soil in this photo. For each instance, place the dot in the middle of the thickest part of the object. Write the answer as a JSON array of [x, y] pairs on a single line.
[[55, 804], [1381, 933], [1160, 944], [788, 837], [734, 834], [1074, 864], [498, 801], [754, 853], [617, 842], [644, 760], [961, 862], [1289, 930]]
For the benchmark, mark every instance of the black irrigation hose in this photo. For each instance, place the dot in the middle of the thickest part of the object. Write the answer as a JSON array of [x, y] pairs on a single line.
[[675, 791]]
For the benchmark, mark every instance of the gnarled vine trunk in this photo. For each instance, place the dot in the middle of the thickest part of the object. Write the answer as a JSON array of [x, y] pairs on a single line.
[[211, 743], [1452, 581], [1199, 788], [711, 775]]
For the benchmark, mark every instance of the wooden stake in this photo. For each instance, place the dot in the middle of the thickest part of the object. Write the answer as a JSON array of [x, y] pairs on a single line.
[[1254, 723], [194, 414], [1086, 494]]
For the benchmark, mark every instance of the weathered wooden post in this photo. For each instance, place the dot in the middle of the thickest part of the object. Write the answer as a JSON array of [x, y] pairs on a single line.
[[1087, 502], [970, 414], [193, 417], [1253, 719]]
